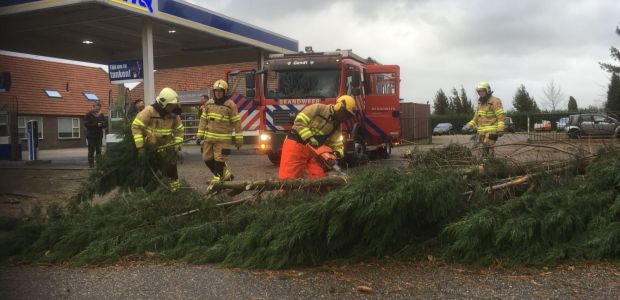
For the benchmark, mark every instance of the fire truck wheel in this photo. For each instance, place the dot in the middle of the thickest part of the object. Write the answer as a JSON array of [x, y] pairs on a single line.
[[386, 152]]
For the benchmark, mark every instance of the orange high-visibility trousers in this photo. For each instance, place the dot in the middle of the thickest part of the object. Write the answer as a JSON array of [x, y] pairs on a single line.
[[297, 157]]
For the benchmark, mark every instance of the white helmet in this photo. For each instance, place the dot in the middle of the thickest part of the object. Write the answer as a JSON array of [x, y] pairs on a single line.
[[167, 96], [220, 85], [483, 85]]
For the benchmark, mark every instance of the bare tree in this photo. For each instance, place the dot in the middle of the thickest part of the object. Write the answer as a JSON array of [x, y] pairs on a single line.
[[553, 95]]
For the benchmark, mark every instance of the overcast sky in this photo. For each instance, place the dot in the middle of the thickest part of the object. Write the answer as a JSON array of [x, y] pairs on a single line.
[[449, 43]]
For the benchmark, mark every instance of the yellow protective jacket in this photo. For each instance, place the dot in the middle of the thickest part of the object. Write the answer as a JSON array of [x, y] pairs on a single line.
[[489, 116], [317, 121], [158, 130], [217, 122]]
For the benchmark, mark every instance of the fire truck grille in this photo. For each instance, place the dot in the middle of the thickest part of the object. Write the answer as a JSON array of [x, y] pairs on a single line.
[[283, 117]]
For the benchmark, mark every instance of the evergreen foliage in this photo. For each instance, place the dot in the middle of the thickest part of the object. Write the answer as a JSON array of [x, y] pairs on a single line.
[[121, 167], [615, 55], [572, 104], [522, 102], [459, 103], [467, 105], [441, 106], [575, 221], [455, 104], [381, 212], [613, 94]]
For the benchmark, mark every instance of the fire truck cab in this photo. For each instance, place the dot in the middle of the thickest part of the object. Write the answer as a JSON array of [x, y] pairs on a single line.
[[289, 82]]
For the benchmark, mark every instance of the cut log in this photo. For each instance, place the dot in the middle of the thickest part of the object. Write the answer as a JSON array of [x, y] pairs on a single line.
[[276, 184]]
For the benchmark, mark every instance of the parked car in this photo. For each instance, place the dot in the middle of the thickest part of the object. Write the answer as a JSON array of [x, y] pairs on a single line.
[[561, 124], [465, 130], [443, 128], [543, 125], [594, 124], [510, 126]]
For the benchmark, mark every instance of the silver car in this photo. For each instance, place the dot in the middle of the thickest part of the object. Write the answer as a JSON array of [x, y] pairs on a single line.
[[593, 125]]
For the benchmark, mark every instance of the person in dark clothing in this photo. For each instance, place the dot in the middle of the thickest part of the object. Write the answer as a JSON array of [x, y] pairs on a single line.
[[138, 106], [95, 122]]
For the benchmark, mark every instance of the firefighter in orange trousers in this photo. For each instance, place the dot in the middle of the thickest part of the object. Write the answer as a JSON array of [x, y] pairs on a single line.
[[160, 124], [316, 125], [489, 117], [220, 123]]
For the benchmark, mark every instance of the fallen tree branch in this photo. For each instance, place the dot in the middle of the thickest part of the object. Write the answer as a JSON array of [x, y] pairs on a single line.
[[276, 184], [515, 181], [535, 145]]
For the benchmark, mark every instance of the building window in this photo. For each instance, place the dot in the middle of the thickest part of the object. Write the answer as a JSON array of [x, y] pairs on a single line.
[[385, 83], [4, 124], [68, 128], [21, 126], [90, 96], [116, 114], [52, 93]]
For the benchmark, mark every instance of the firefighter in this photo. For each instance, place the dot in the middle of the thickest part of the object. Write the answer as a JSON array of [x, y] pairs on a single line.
[[218, 120], [161, 126], [316, 125], [489, 117]]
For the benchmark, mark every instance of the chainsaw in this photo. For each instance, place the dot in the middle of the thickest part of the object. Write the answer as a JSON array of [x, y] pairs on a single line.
[[327, 159]]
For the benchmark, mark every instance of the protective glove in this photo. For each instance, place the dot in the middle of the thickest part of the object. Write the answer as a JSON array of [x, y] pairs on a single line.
[[178, 148], [313, 142], [339, 153], [198, 141]]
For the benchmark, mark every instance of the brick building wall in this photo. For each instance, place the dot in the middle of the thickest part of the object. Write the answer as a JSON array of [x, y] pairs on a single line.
[[191, 78], [29, 78]]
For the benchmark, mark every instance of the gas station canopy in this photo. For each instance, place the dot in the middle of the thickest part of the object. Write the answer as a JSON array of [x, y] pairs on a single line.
[[103, 31]]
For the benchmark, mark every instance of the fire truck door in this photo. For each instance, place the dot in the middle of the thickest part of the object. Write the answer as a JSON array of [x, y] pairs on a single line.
[[381, 112]]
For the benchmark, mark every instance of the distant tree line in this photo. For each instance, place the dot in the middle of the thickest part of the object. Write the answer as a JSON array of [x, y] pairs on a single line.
[[521, 102], [455, 104]]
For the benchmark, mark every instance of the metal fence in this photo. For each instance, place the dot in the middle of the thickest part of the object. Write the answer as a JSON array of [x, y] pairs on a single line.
[[584, 125]]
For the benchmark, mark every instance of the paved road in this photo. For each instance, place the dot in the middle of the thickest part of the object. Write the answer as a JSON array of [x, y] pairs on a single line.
[[404, 280]]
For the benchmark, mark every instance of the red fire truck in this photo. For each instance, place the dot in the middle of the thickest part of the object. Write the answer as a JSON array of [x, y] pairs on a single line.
[[289, 82]]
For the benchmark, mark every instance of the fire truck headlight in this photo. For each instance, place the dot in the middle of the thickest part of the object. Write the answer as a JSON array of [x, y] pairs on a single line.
[[264, 137], [341, 138]]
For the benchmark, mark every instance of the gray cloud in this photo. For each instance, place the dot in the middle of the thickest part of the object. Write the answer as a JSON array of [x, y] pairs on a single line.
[[449, 43]]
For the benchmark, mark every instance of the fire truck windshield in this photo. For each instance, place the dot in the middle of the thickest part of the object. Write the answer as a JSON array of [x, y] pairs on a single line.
[[321, 83]]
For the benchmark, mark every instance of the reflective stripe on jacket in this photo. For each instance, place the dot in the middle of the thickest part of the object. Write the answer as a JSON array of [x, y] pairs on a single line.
[[158, 130], [317, 121], [489, 116], [218, 121]]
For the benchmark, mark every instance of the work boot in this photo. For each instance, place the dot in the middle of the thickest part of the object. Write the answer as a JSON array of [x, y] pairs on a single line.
[[227, 175], [91, 162], [175, 185], [216, 179]]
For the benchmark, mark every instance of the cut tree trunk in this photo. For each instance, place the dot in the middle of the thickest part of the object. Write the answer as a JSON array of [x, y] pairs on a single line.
[[277, 184]]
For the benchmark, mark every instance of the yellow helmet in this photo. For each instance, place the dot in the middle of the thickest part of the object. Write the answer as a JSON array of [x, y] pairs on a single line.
[[483, 85], [167, 96], [220, 85], [347, 102]]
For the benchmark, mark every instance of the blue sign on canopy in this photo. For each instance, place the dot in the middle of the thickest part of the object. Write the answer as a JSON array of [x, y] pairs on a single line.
[[125, 71]]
